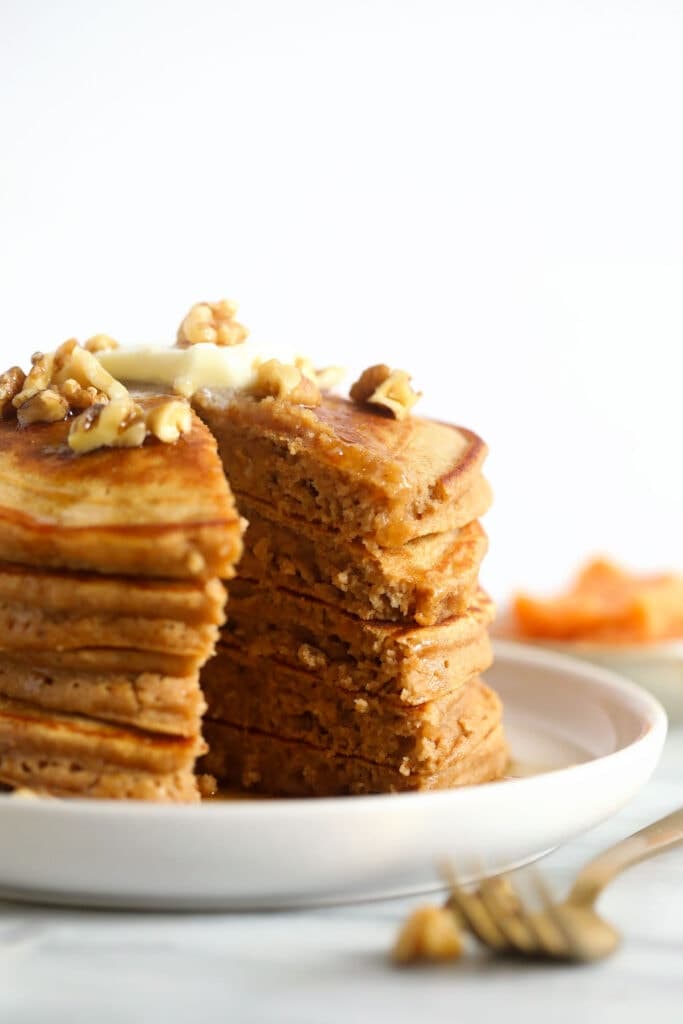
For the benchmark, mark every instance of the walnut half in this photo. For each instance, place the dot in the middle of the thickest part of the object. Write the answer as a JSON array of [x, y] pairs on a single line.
[[212, 322], [11, 383], [38, 379], [281, 380], [73, 363], [47, 406], [169, 420], [80, 398], [388, 389], [118, 424]]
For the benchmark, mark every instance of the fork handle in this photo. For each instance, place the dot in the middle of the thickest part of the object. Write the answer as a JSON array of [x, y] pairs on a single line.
[[602, 869]]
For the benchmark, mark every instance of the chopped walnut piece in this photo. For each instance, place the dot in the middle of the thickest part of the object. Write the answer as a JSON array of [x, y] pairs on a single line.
[[212, 322], [430, 933], [70, 379], [118, 424], [39, 378], [326, 378], [11, 383], [63, 354], [80, 398], [75, 363], [311, 657], [100, 343], [169, 420], [389, 389], [48, 406], [281, 380]]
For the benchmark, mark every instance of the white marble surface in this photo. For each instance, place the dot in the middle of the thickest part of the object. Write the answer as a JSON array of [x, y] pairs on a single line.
[[330, 965]]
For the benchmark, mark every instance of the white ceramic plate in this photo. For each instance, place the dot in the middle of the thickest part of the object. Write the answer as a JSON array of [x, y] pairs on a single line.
[[584, 739]]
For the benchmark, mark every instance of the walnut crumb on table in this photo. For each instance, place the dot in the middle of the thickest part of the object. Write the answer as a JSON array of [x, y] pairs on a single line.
[[430, 934]]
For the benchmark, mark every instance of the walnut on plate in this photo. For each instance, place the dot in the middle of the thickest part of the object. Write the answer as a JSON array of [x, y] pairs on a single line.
[[212, 322], [388, 389], [282, 380]]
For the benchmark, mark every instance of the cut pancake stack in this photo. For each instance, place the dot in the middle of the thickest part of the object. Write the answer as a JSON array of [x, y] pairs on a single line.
[[351, 661], [110, 603]]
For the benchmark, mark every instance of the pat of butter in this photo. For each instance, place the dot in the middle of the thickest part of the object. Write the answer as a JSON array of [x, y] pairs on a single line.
[[185, 370]]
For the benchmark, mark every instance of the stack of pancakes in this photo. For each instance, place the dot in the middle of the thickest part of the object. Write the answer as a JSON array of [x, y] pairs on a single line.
[[110, 603], [351, 660]]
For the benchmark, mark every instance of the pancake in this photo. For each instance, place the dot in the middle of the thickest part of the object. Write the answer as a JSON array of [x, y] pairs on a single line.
[[69, 754], [276, 699], [343, 466], [424, 581], [270, 764], [157, 510], [192, 602], [25, 629], [106, 659], [156, 703], [414, 664]]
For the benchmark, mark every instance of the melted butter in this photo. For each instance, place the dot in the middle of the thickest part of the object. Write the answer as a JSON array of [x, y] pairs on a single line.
[[186, 370]]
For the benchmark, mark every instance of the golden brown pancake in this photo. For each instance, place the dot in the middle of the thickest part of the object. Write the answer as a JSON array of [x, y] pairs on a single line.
[[424, 581], [26, 629], [107, 659], [153, 702], [414, 664], [270, 764], [344, 466], [157, 510], [194, 602], [276, 699], [69, 754]]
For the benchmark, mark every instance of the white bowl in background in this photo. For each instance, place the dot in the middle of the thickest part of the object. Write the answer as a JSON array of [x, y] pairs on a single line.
[[658, 667]]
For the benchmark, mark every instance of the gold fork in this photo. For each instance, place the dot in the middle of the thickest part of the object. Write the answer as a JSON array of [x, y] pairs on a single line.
[[570, 930]]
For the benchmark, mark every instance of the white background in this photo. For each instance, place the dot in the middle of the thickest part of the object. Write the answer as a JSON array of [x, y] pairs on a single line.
[[487, 194]]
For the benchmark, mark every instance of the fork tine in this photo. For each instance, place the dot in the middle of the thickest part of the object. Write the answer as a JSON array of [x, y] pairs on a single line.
[[474, 914], [563, 943], [507, 910]]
